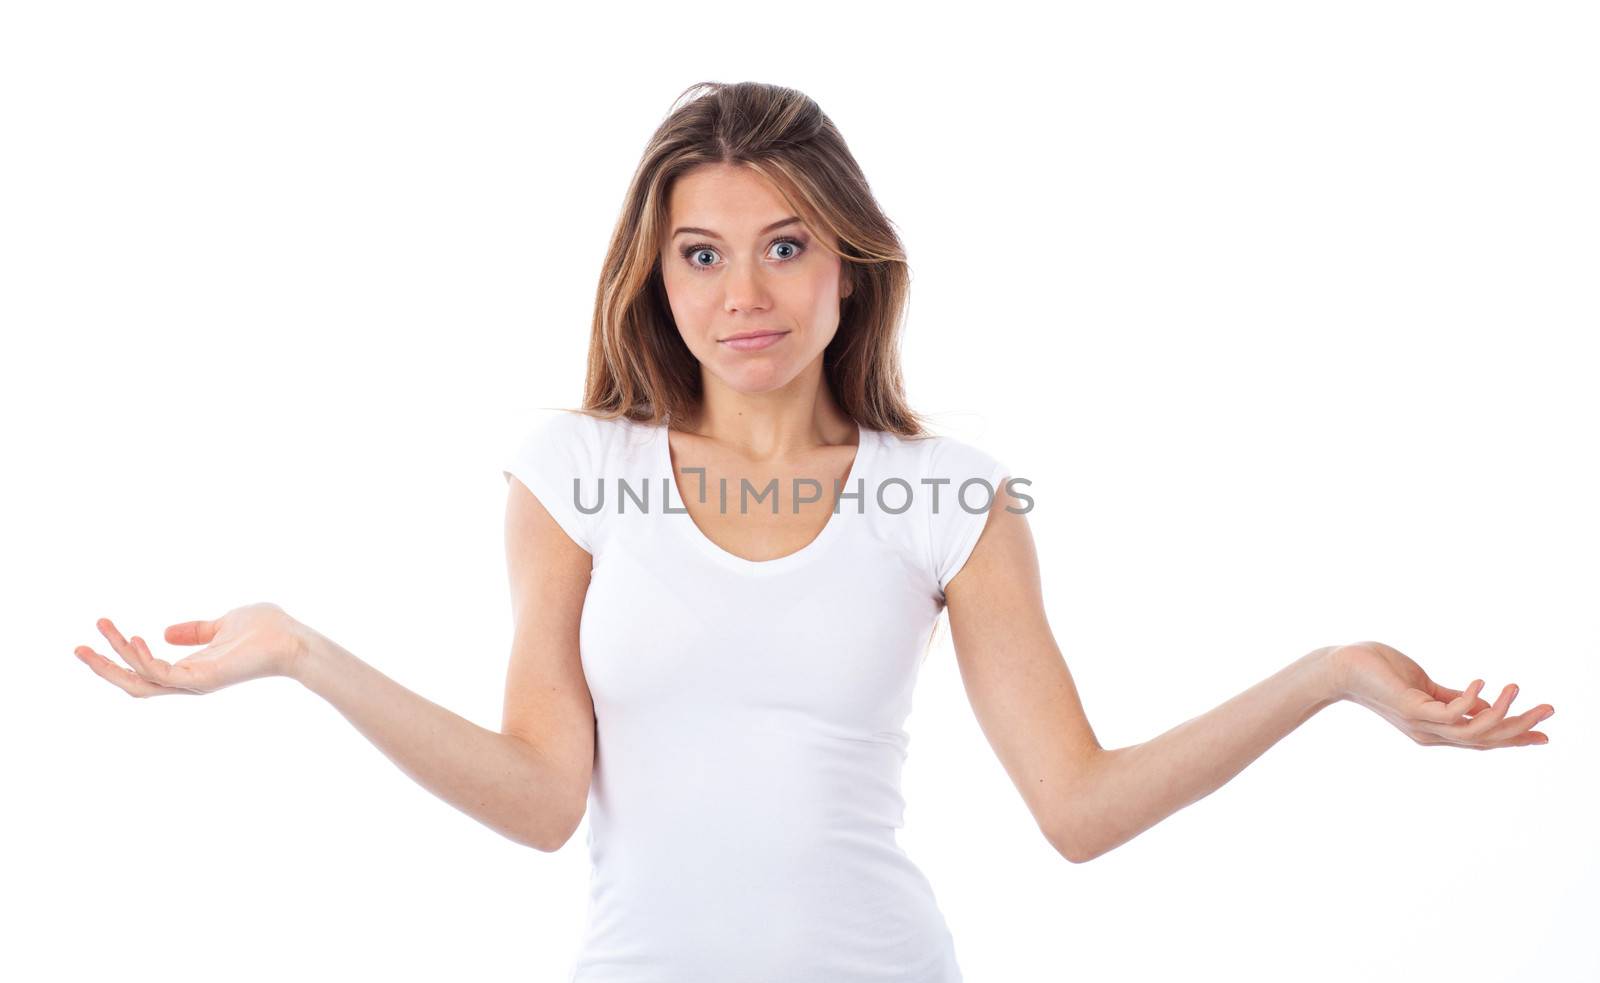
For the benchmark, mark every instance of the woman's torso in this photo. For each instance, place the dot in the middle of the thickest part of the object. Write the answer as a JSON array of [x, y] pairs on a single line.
[[750, 715]]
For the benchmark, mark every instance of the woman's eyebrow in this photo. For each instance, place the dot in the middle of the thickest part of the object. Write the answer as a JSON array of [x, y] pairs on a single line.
[[707, 232]]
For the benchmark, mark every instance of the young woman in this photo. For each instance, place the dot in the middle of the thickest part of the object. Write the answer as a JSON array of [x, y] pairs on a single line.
[[721, 686]]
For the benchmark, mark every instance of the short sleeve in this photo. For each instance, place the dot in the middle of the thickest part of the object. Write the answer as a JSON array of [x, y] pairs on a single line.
[[554, 457], [960, 509]]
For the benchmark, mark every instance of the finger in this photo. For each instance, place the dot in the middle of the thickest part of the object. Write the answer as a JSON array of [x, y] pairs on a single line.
[[1514, 727], [1478, 706], [1532, 738], [138, 657], [1420, 706], [191, 633], [179, 675], [1462, 703], [129, 682], [1472, 731], [1445, 694], [120, 646]]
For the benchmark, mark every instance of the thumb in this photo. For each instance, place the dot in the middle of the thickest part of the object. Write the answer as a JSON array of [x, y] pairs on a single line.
[[191, 633]]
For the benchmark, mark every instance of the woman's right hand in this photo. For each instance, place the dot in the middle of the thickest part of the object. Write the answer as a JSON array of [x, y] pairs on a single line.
[[251, 642]]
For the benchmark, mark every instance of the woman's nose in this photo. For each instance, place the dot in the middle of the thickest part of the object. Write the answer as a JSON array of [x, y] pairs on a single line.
[[745, 289]]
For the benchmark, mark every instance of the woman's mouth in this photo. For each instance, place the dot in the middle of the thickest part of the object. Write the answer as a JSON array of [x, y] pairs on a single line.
[[751, 343]]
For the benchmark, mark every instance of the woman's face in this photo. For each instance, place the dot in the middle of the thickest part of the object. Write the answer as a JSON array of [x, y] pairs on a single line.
[[734, 263]]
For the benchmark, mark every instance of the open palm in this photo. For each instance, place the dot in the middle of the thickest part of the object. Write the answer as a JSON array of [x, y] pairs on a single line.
[[1385, 681], [250, 642]]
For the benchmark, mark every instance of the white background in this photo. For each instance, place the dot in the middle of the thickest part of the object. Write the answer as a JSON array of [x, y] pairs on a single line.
[[1289, 314]]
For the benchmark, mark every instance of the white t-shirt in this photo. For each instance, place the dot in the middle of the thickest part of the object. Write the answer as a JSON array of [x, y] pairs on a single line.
[[750, 714]]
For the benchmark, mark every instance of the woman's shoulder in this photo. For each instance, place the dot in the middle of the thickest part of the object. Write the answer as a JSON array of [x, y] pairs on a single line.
[[563, 455], [943, 487], [584, 434], [932, 459]]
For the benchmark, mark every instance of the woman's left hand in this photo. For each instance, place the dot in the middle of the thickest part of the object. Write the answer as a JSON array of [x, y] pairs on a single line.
[[1383, 680]]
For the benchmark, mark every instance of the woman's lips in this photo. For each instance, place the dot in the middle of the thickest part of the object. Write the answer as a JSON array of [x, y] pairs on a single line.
[[754, 344]]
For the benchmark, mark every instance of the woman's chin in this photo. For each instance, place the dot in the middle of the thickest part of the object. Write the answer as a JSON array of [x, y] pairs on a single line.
[[755, 378]]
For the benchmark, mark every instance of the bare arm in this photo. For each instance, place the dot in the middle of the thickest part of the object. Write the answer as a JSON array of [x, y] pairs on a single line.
[[499, 780], [530, 782], [1127, 790], [1088, 800]]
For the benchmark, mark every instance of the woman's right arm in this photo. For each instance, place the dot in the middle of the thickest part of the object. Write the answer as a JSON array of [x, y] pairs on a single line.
[[529, 783]]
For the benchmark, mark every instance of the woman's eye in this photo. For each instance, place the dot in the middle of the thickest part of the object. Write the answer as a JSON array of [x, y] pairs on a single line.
[[704, 257], [791, 244]]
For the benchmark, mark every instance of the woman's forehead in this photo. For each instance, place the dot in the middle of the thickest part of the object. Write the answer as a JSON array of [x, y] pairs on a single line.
[[728, 199]]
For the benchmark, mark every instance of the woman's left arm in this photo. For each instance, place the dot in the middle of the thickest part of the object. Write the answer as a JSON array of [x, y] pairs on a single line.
[[1088, 800]]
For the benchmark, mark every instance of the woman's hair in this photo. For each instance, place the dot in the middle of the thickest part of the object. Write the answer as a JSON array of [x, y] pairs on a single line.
[[640, 368]]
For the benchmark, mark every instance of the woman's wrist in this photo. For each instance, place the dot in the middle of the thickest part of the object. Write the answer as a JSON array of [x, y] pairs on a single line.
[[308, 655], [1329, 673]]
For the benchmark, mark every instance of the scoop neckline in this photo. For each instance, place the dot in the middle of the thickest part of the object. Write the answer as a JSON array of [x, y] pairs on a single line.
[[684, 521]]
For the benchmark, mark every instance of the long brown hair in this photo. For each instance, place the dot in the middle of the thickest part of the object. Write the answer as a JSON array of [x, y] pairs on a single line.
[[640, 368]]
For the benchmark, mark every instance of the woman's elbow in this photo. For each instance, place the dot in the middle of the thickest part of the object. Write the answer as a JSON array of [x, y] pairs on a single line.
[[554, 836], [1078, 856], [1076, 832], [1071, 845]]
